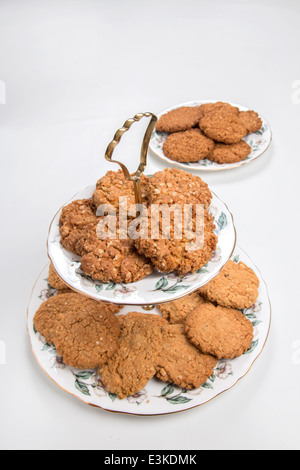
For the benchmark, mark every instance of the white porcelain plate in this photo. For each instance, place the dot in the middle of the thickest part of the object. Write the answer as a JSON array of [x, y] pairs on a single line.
[[158, 397], [155, 288], [259, 142]]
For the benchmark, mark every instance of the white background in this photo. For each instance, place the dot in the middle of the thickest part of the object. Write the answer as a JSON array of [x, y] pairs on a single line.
[[74, 72]]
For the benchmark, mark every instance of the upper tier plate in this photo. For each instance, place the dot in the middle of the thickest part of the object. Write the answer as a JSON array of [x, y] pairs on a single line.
[[259, 142], [155, 288]]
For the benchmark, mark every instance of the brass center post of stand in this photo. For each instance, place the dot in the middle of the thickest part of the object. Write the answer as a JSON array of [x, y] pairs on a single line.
[[136, 177]]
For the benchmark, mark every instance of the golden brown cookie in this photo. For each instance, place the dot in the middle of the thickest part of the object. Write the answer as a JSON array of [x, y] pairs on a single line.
[[222, 332], [113, 260], [175, 186], [50, 313], [179, 119], [208, 108], [230, 153], [251, 120], [54, 280], [188, 146], [170, 251], [86, 335], [135, 359], [236, 286], [223, 127], [181, 363], [73, 221], [177, 310], [113, 186]]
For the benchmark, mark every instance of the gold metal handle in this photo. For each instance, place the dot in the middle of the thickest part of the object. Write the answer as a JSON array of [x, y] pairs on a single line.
[[136, 177]]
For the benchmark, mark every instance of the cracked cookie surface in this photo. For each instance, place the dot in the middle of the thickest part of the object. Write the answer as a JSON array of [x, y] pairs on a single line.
[[179, 119], [134, 362], [177, 310]]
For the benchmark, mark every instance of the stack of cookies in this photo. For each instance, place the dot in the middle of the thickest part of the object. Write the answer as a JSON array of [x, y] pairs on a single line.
[[122, 258], [213, 131], [181, 346]]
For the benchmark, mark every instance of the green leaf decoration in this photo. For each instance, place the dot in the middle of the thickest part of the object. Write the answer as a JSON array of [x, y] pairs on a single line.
[[46, 347], [236, 259], [112, 396], [167, 390], [207, 385], [98, 287], [84, 375], [175, 289], [253, 346], [222, 221], [202, 271], [178, 400], [111, 286], [82, 387], [161, 284]]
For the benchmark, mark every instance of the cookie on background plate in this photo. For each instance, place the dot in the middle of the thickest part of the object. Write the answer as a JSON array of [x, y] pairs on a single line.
[[179, 119], [230, 153], [188, 146]]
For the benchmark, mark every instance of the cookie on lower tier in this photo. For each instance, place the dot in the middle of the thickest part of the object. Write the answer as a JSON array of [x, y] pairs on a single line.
[[86, 335], [235, 287], [181, 363], [50, 313], [177, 310], [135, 360], [222, 332]]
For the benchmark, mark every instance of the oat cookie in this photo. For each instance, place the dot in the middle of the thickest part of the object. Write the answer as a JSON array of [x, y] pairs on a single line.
[[188, 146], [208, 108], [222, 332], [175, 186], [236, 286], [251, 120], [172, 252], [179, 119], [86, 335], [177, 310], [230, 153], [50, 312], [134, 362], [113, 260], [114, 185], [223, 127], [73, 221], [54, 280], [181, 363]]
